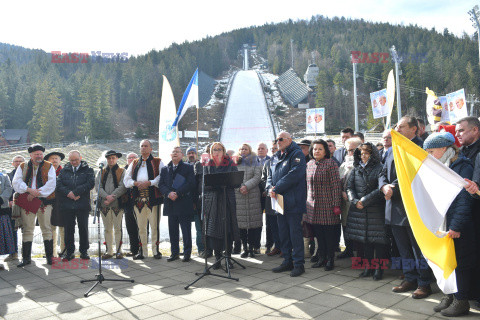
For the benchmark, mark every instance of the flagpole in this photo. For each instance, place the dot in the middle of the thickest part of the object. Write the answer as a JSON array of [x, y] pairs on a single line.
[[197, 129]]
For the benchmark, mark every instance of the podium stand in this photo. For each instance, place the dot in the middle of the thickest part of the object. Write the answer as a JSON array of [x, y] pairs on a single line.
[[222, 180]]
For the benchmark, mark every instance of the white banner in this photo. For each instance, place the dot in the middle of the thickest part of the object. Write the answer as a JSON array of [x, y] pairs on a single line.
[[379, 103], [457, 105], [315, 120]]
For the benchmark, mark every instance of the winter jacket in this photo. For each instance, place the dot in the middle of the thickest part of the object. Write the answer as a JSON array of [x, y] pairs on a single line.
[[324, 192], [249, 209], [80, 183], [289, 179], [459, 218], [366, 225], [213, 204]]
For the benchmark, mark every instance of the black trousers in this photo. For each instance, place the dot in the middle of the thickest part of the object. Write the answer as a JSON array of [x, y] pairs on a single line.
[[81, 216], [218, 245], [327, 240], [132, 229], [414, 265], [272, 231], [250, 237], [184, 222], [465, 279], [375, 250]]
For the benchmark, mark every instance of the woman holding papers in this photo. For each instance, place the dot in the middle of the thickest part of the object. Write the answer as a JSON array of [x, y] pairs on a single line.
[[366, 217], [213, 204], [249, 209], [324, 194], [458, 224]]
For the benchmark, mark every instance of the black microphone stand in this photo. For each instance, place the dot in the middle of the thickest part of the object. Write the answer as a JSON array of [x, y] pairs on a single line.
[[99, 278]]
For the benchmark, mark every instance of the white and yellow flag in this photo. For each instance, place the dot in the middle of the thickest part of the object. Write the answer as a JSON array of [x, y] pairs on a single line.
[[428, 188]]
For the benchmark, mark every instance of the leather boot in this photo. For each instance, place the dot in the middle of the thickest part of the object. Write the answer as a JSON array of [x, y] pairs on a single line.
[[366, 273], [329, 266], [218, 262], [457, 308], [140, 255], [48, 251], [245, 249], [26, 254], [378, 275], [251, 252]]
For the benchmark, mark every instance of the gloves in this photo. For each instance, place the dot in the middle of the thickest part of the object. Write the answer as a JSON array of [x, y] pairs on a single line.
[[337, 211]]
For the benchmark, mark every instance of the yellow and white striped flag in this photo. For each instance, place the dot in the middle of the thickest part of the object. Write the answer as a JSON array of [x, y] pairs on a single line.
[[428, 188]]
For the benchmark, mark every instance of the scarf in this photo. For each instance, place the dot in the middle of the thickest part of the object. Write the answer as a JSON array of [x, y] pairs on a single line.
[[446, 159]]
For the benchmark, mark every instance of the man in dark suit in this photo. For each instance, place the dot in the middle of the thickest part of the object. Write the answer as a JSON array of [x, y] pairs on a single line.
[[416, 271], [177, 184], [340, 153], [387, 143]]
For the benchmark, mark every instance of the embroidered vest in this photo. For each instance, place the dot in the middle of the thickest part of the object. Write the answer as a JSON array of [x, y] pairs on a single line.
[[44, 174]]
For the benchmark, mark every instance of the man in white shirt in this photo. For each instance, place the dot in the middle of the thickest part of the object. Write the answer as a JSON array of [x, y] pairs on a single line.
[[143, 176], [36, 178]]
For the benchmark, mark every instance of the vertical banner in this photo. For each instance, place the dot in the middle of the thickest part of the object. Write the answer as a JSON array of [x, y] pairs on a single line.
[[457, 105], [379, 103], [390, 98], [445, 112], [315, 120]]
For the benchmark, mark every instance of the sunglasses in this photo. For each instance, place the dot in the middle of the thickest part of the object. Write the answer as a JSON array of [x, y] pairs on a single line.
[[217, 150], [279, 139]]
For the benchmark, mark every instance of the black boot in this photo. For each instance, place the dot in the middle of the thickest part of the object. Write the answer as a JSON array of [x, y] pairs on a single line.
[[140, 255], [237, 248], [252, 252], [48, 251], [245, 249], [26, 254], [329, 265], [378, 275], [366, 273], [218, 262]]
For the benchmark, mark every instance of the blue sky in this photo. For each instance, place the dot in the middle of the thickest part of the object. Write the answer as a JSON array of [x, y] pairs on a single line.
[[137, 27]]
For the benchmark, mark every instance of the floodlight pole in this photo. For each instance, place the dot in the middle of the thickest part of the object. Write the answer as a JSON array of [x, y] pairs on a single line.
[[397, 61], [355, 93]]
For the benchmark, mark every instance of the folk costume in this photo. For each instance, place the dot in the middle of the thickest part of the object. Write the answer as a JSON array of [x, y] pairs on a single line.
[[56, 219], [111, 183], [146, 201], [41, 177]]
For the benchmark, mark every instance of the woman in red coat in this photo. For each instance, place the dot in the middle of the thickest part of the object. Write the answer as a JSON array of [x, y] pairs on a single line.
[[324, 194]]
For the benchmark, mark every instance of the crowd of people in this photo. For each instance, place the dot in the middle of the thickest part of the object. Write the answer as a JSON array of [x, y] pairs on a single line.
[[326, 191]]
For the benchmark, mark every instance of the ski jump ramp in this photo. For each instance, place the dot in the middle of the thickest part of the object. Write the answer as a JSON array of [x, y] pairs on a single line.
[[247, 119]]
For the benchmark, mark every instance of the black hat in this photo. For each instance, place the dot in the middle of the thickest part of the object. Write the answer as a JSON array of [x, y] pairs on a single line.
[[113, 153], [55, 153], [305, 142], [36, 147]]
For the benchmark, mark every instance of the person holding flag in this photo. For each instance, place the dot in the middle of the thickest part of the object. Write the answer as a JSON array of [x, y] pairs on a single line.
[[416, 271], [459, 224]]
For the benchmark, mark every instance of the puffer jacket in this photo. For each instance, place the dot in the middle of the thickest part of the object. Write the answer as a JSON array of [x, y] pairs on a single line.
[[366, 225], [249, 209]]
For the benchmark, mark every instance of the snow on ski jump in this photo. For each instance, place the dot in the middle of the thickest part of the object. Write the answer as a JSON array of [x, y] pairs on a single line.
[[246, 117]]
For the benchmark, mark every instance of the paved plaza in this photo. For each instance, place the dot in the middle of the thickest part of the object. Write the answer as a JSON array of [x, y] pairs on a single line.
[[38, 292]]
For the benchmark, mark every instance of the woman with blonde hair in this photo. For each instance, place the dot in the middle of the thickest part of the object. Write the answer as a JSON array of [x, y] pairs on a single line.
[[220, 162], [249, 209]]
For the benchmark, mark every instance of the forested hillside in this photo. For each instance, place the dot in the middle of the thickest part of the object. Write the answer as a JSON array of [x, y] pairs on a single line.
[[83, 99]]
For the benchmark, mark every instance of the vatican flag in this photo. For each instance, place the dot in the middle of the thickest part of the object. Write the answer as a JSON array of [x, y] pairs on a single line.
[[428, 188]]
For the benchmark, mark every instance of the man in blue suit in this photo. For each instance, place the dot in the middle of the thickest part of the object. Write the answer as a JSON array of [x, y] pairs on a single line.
[[177, 184], [289, 180]]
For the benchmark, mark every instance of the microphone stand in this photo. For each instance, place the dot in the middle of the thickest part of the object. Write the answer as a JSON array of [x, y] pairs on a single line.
[[99, 278]]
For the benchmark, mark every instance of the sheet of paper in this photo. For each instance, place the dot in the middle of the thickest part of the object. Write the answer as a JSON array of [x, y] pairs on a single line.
[[277, 204]]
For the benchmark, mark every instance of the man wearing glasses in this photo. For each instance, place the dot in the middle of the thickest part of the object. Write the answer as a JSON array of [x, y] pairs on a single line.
[[288, 179]]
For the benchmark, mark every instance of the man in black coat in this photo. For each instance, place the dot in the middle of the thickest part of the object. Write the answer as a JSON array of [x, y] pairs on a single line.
[[130, 222], [416, 271], [177, 184], [73, 190]]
